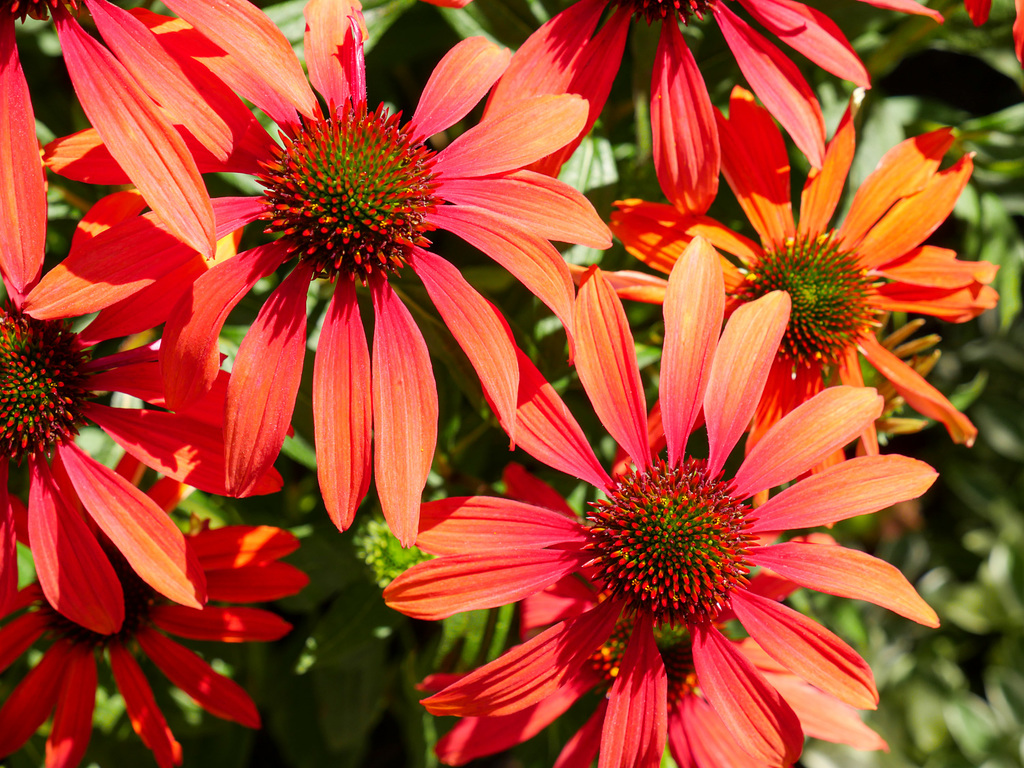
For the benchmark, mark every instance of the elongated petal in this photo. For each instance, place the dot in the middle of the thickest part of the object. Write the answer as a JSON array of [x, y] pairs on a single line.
[[255, 583], [807, 649], [541, 204], [846, 572], [507, 141], [699, 739], [607, 366], [22, 182], [146, 718], [694, 307], [636, 723], [522, 485], [756, 715], [686, 149], [212, 691], [139, 137], [232, 624], [742, 361], [73, 570], [457, 83], [235, 546], [580, 751], [31, 702], [855, 487], [189, 353], [824, 186], [932, 267], [149, 540], [264, 381], [479, 329], [8, 546], [327, 35], [777, 82], [440, 588], [72, 720], [489, 523], [956, 305], [404, 412], [907, 6], [18, 635], [529, 672], [342, 407], [808, 434]]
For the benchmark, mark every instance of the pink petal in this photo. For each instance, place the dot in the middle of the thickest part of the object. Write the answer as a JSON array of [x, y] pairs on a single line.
[[73, 570], [469, 524], [845, 572], [139, 137], [22, 181], [756, 715], [694, 307], [807, 649], [226, 624], [777, 82], [342, 407], [686, 150], [738, 373], [146, 718], [72, 720], [404, 412], [457, 83], [265, 379], [149, 540], [327, 35], [855, 487], [607, 367]]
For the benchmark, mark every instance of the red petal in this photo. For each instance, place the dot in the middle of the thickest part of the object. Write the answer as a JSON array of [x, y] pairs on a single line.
[[327, 36], [146, 718], [756, 715], [225, 624], [213, 692], [72, 568], [255, 583], [234, 546], [72, 721], [607, 367], [521, 485], [529, 672], [906, 6], [8, 546], [18, 635], [107, 212], [31, 702], [139, 137], [149, 540], [686, 149], [581, 750], [22, 181], [342, 407], [487, 523], [855, 487], [824, 186], [845, 572]]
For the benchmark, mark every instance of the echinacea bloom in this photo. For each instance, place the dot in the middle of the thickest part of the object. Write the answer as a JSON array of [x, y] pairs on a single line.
[[978, 10], [565, 56], [671, 542], [353, 194], [52, 382], [240, 564], [842, 278]]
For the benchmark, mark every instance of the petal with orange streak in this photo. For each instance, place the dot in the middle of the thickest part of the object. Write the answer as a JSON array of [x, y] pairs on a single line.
[[234, 546], [225, 624], [107, 212], [146, 718], [32, 700], [739, 371], [934, 267], [342, 407], [906, 6], [844, 572], [708, 739], [328, 34], [824, 186], [72, 720], [955, 306]]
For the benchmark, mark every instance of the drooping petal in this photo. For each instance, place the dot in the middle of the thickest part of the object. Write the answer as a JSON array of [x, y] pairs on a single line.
[[18, 635], [212, 691], [855, 487], [636, 722], [439, 588], [327, 36], [22, 181], [846, 572], [73, 570], [702, 736], [236, 546], [956, 305], [529, 672], [8, 546], [687, 156], [146, 718], [906, 6], [31, 702], [756, 715], [72, 720], [138, 136], [342, 407], [404, 412], [149, 540], [255, 583], [738, 373], [824, 186], [265, 379], [580, 750], [694, 307], [489, 523], [457, 83], [225, 624], [807, 435], [807, 649], [933, 267]]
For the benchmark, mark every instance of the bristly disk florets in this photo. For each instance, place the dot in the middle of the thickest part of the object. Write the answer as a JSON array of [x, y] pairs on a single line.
[[351, 194], [37, 9], [668, 10]]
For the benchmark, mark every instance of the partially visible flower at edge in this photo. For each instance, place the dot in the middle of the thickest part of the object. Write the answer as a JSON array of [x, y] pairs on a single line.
[[978, 10]]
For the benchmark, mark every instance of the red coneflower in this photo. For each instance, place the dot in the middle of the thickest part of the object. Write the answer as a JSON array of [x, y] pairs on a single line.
[[978, 10]]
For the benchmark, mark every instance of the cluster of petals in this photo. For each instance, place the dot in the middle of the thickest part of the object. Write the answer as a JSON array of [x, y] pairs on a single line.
[[492, 551], [484, 197], [240, 564], [901, 203]]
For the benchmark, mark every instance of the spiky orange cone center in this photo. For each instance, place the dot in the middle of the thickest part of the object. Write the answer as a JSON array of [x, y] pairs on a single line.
[[671, 542], [350, 194], [42, 385], [829, 291]]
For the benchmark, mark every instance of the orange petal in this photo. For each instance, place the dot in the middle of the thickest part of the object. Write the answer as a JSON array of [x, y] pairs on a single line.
[[146, 718], [907, 6], [328, 34], [824, 186], [934, 267], [235, 546], [955, 306]]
